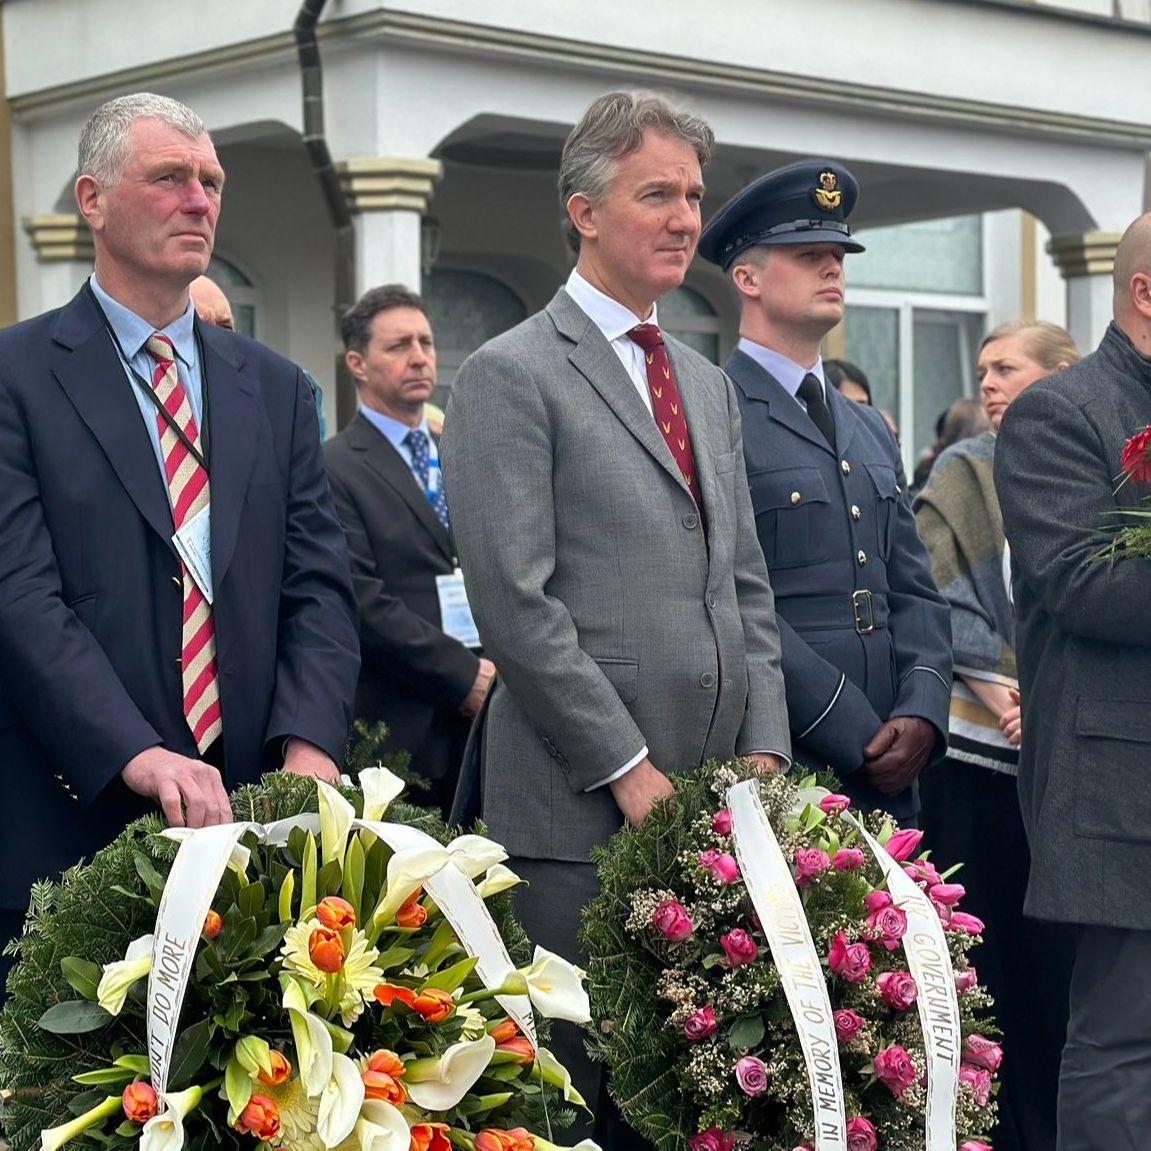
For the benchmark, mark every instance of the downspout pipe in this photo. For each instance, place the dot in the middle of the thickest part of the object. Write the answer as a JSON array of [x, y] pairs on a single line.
[[316, 146]]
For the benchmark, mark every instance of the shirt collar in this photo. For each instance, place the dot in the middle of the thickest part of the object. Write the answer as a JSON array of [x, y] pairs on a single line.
[[394, 431], [133, 331], [789, 374], [609, 315]]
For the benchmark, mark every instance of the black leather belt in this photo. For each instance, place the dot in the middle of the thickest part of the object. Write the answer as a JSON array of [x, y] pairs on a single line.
[[862, 611]]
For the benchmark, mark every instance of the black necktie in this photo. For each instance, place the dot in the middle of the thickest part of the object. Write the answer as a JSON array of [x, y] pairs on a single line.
[[811, 393]]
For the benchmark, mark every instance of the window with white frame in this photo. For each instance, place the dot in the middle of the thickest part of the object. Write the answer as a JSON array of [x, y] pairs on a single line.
[[685, 314], [241, 293]]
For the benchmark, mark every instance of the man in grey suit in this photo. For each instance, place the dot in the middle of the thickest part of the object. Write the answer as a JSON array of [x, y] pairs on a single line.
[[1084, 650], [604, 525]]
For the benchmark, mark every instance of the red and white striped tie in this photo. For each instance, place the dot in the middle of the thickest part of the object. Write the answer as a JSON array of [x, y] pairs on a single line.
[[188, 492]]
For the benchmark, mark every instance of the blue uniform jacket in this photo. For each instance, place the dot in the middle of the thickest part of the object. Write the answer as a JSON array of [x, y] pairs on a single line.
[[865, 634]]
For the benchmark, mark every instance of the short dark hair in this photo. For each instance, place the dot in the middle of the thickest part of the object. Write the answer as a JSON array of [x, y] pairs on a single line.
[[837, 371], [356, 326]]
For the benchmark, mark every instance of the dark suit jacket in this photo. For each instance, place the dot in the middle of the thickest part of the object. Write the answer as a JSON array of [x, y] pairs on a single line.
[[829, 534], [90, 589], [1083, 638], [414, 677]]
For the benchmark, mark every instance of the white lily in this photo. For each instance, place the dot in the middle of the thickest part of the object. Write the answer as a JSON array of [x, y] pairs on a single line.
[[474, 854], [498, 878], [554, 985], [582, 1145], [314, 1051], [382, 1127], [118, 977], [340, 1102], [552, 1071], [439, 1084], [55, 1137], [165, 1132], [380, 787], [237, 861], [336, 815], [409, 869]]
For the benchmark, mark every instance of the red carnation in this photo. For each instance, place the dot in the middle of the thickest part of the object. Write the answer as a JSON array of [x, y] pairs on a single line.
[[1136, 461]]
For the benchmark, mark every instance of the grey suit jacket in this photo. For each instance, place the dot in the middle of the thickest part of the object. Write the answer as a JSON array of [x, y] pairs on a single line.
[[615, 620], [1083, 639]]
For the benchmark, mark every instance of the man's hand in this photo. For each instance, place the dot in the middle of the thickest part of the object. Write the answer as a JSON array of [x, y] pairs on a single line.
[[190, 792], [475, 699], [304, 758], [897, 752], [766, 764], [636, 791], [1011, 721]]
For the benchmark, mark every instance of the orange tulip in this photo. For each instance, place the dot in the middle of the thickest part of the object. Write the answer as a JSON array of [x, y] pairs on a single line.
[[140, 1102], [517, 1139], [336, 913], [434, 1005], [430, 1137], [388, 1062], [281, 1071], [504, 1031], [520, 1046], [260, 1118], [381, 1085], [326, 949], [413, 913], [389, 993], [213, 925]]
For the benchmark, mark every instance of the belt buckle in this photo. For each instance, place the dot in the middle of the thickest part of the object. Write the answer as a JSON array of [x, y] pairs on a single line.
[[864, 620]]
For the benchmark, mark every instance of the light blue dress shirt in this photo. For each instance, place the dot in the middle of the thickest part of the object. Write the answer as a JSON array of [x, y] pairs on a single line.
[[133, 333], [789, 374], [396, 432]]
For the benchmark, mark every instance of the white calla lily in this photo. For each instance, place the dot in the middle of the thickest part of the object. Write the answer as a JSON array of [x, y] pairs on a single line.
[[552, 1071], [380, 787], [314, 1050], [382, 1127], [439, 1084], [336, 815], [118, 977], [340, 1102], [499, 878], [165, 1132], [408, 869], [55, 1137], [555, 987], [238, 861], [474, 854], [582, 1145]]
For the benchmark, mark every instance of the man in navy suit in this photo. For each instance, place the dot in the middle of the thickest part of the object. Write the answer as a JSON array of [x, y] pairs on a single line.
[[176, 611]]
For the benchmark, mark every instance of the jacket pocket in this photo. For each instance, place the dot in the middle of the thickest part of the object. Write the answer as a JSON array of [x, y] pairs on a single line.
[[791, 509], [1109, 758], [884, 480], [622, 674]]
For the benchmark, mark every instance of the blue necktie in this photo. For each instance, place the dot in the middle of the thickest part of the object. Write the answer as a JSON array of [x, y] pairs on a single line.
[[417, 443]]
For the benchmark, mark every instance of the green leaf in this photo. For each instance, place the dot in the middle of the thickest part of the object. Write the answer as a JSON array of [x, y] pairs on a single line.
[[287, 890], [441, 943], [74, 1017], [137, 1063], [330, 879], [151, 877], [353, 888], [746, 1032], [452, 977], [106, 1076], [394, 957], [484, 1104], [254, 1055], [251, 900], [308, 891], [190, 1052], [240, 938], [128, 1129], [715, 959], [83, 977], [503, 1074], [238, 1086]]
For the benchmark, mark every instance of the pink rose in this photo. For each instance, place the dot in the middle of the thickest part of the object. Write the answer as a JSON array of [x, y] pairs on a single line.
[[850, 961], [961, 921], [739, 947], [923, 873], [966, 980], [978, 1081], [949, 894], [834, 804], [722, 866], [721, 822], [849, 859], [975, 1145], [898, 989], [713, 1139], [810, 862], [891, 924], [903, 843], [751, 1075], [848, 1025], [877, 900], [895, 1070], [861, 1135], [672, 921], [983, 1053], [701, 1024]]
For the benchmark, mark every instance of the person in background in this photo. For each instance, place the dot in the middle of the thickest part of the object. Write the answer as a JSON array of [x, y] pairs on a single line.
[[965, 418], [211, 305], [970, 800], [849, 381]]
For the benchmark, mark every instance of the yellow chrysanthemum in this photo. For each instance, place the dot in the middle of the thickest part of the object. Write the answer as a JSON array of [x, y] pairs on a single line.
[[358, 978], [473, 1020]]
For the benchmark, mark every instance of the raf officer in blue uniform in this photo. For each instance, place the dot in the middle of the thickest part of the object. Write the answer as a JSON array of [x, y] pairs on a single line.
[[866, 637]]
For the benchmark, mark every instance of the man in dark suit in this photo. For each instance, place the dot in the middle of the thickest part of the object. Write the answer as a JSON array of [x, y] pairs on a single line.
[[1083, 642], [866, 637], [384, 468], [176, 611]]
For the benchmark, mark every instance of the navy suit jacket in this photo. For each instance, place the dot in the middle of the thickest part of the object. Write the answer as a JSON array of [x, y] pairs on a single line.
[[90, 588]]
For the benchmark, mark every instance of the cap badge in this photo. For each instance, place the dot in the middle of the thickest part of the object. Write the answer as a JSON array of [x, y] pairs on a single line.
[[828, 194]]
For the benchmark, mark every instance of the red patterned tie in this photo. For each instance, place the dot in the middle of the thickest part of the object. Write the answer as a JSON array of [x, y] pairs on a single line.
[[188, 492], [666, 404]]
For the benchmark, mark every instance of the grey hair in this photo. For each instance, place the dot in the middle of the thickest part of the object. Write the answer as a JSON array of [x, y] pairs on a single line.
[[612, 128], [104, 140]]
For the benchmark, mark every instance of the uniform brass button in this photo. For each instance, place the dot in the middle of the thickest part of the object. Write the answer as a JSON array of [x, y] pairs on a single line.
[[707, 680], [855, 512], [862, 557], [845, 467], [795, 497], [178, 582]]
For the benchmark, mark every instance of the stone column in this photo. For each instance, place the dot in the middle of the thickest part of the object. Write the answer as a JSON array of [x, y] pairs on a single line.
[[64, 251], [1086, 260], [389, 197]]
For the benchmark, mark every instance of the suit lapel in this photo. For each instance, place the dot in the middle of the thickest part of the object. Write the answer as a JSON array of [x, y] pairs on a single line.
[[758, 384], [382, 458], [94, 379], [845, 420]]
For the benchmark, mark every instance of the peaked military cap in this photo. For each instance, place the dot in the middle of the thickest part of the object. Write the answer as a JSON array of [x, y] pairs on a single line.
[[803, 203]]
